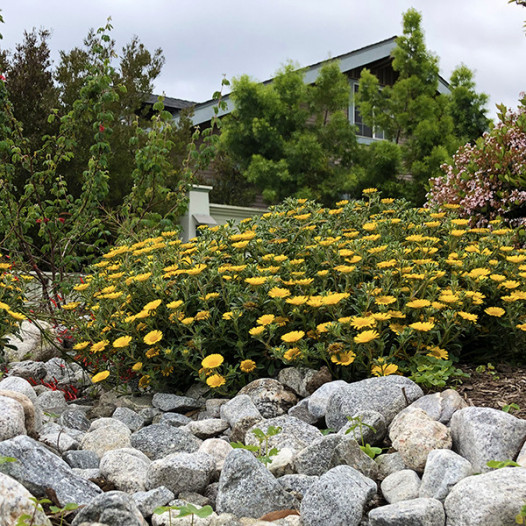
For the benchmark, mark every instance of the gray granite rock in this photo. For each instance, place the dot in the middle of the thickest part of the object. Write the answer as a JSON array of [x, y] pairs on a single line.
[[241, 407], [316, 458], [65, 373], [126, 469], [87, 474], [416, 512], [83, 459], [108, 422], [489, 499], [295, 434], [218, 449], [401, 485], [320, 397], [113, 508], [15, 501], [248, 489], [444, 469], [337, 498], [27, 370], [208, 428], [386, 394], [129, 417], [367, 426], [53, 402], [148, 501], [176, 403], [105, 438], [74, 419], [282, 463], [481, 434], [157, 441], [349, 453], [14, 383], [297, 485], [301, 411], [270, 397], [182, 472], [389, 463], [440, 406], [37, 469], [213, 406], [60, 441], [414, 434], [172, 419], [302, 380], [12, 418]]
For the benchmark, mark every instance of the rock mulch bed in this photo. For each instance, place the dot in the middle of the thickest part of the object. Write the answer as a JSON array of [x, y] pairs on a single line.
[[123, 456]]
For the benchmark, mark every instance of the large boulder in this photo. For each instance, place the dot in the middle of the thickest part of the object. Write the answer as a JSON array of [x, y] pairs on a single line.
[[15, 501], [337, 498], [444, 469], [414, 435], [481, 434], [158, 441], [113, 508], [37, 469], [248, 489], [416, 512], [386, 394], [491, 499], [126, 469], [182, 472]]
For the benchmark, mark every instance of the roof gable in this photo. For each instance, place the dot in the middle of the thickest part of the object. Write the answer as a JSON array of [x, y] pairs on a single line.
[[204, 112]]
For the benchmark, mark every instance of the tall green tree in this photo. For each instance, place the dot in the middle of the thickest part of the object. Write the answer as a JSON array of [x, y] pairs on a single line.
[[290, 138], [134, 69], [466, 106], [414, 115], [29, 80]]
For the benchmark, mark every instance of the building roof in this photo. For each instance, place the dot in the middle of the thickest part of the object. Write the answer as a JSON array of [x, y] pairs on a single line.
[[172, 105], [204, 111]]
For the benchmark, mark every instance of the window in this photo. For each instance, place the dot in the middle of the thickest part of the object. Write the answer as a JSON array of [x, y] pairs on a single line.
[[362, 129]]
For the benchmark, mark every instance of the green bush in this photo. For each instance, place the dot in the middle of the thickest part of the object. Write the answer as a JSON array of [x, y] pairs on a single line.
[[365, 288]]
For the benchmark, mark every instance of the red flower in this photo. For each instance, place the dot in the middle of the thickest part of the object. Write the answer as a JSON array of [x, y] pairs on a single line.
[[101, 128], [2, 78], [62, 220]]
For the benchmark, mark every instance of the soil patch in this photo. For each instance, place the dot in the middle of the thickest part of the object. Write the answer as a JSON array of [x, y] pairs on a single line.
[[496, 388]]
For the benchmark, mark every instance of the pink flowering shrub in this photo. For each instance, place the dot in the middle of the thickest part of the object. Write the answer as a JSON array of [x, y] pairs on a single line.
[[488, 179]]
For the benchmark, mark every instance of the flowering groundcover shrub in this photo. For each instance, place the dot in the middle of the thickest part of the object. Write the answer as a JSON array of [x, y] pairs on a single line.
[[369, 287]]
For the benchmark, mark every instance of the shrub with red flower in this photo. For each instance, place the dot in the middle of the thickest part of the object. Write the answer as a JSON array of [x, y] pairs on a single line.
[[488, 179]]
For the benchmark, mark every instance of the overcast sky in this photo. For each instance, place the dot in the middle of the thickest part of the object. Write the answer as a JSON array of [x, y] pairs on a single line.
[[204, 39]]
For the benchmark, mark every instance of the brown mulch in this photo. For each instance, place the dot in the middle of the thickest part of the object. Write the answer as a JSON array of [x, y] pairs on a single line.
[[495, 388]]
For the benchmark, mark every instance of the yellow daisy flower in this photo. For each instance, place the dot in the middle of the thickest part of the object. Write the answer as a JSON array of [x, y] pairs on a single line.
[[153, 337], [121, 342], [100, 376], [212, 361], [422, 326], [215, 381], [366, 336], [495, 311], [247, 366], [293, 336]]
